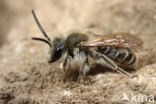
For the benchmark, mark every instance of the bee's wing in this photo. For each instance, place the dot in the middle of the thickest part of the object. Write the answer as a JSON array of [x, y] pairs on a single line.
[[118, 40]]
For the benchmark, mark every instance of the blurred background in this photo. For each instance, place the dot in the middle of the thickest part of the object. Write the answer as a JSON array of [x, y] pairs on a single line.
[[60, 16], [27, 78]]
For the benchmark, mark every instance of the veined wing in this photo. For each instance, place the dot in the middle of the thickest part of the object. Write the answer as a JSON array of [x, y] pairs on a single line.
[[118, 40]]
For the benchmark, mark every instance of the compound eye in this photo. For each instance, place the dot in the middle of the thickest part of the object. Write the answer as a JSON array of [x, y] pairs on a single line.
[[58, 50], [57, 55]]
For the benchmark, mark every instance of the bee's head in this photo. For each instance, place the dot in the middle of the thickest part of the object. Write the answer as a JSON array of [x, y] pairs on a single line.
[[56, 46], [56, 49]]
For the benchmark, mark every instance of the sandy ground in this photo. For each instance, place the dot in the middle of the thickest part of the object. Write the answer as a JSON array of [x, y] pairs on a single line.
[[27, 78]]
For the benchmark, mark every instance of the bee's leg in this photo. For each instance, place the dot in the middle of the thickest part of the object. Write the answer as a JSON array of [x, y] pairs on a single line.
[[96, 55], [83, 70], [67, 58]]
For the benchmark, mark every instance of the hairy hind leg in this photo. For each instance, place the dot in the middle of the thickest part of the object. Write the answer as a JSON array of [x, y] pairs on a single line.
[[111, 64]]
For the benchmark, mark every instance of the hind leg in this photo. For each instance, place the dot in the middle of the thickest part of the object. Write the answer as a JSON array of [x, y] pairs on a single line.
[[111, 64]]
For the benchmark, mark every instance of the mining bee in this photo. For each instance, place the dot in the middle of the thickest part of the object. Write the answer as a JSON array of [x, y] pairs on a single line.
[[114, 49]]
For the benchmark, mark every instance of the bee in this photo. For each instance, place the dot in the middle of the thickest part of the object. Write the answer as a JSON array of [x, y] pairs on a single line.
[[114, 49]]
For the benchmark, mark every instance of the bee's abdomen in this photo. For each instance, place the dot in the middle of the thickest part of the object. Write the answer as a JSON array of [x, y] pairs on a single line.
[[122, 56]]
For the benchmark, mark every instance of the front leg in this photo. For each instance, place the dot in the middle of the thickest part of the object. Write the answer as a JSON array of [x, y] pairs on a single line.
[[111, 64]]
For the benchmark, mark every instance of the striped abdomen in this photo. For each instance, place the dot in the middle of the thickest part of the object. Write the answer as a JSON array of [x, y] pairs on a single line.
[[122, 56]]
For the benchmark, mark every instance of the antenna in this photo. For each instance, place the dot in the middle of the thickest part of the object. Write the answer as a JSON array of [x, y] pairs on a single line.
[[43, 40], [39, 26]]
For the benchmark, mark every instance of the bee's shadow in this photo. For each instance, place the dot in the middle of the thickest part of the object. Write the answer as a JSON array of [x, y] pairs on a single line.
[[98, 68], [73, 74]]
